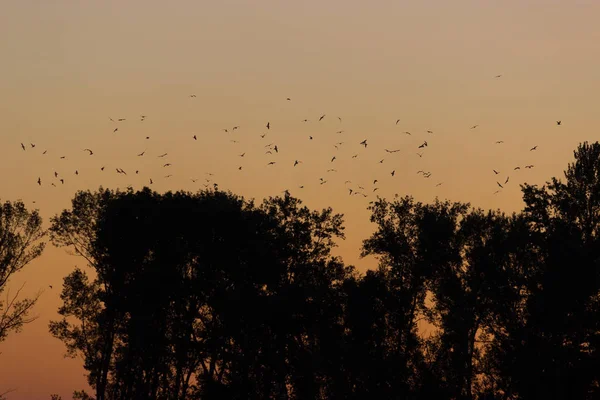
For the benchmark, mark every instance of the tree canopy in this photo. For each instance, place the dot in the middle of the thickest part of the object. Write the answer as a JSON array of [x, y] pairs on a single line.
[[208, 295]]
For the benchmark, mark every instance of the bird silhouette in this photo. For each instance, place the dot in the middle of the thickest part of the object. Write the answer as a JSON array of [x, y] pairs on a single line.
[[167, 165], [499, 141], [392, 151], [333, 159], [533, 148], [163, 155], [271, 163], [393, 172], [268, 125], [364, 143], [142, 153], [423, 145], [506, 181], [39, 181], [23, 146], [322, 116], [474, 126], [397, 121], [195, 138], [529, 166], [500, 184], [89, 151], [558, 122], [297, 162]]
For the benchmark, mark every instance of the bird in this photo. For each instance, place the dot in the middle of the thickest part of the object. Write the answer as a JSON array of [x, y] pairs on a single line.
[[268, 125], [151, 182], [226, 131], [62, 181], [393, 172], [32, 145], [516, 168], [423, 145], [350, 191], [142, 153], [167, 165], [76, 172], [364, 143], [354, 156], [240, 168], [310, 138], [439, 184], [420, 154], [429, 131], [288, 99], [242, 155], [392, 151], [192, 95], [340, 132], [45, 151], [339, 119], [297, 162], [121, 119], [375, 181], [163, 155], [333, 159], [529, 166], [55, 174], [50, 286], [322, 116], [235, 127], [533, 148], [39, 181], [23, 146], [332, 170], [195, 138], [235, 141], [381, 161], [407, 133], [275, 148], [500, 184], [263, 135], [397, 121], [558, 122], [271, 163], [474, 126], [101, 168], [499, 141], [116, 129], [498, 76], [90, 151], [496, 172], [506, 181]]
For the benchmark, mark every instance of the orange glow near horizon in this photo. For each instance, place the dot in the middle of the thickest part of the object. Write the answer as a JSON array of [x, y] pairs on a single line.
[[67, 67]]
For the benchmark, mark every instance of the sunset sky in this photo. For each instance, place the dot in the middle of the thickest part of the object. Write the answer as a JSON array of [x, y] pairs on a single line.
[[68, 66]]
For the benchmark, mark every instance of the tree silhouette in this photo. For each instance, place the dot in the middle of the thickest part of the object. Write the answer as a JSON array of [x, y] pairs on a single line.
[[21, 242], [210, 296], [200, 294]]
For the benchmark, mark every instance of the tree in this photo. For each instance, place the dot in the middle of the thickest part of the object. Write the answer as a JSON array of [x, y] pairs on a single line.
[[554, 348], [21, 242], [200, 296]]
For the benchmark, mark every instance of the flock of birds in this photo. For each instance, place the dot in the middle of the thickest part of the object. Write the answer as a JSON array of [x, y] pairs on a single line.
[[272, 149]]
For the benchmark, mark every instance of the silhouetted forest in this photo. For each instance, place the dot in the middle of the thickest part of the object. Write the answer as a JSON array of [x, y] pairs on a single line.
[[211, 296]]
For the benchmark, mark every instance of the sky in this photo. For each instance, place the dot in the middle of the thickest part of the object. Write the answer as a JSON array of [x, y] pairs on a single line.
[[68, 67]]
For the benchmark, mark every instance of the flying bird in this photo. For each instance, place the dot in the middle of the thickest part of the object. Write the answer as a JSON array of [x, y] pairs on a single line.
[[397, 121], [322, 116], [167, 165], [393, 172], [506, 181], [533, 148], [268, 125], [364, 143], [499, 141], [163, 155], [423, 145], [558, 122], [142, 153], [500, 185], [297, 162], [333, 159], [39, 181], [195, 138], [271, 163], [242, 155], [90, 151], [23, 146], [392, 151], [496, 172], [529, 166], [516, 168], [116, 129]]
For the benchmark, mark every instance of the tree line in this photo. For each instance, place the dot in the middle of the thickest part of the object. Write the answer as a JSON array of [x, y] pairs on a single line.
[[210, 296]]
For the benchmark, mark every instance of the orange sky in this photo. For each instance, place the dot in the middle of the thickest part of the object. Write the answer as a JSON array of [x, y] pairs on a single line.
[[67, 66]]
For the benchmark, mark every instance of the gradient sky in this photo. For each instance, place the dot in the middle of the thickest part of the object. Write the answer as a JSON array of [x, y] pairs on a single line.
[[67, 66]]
